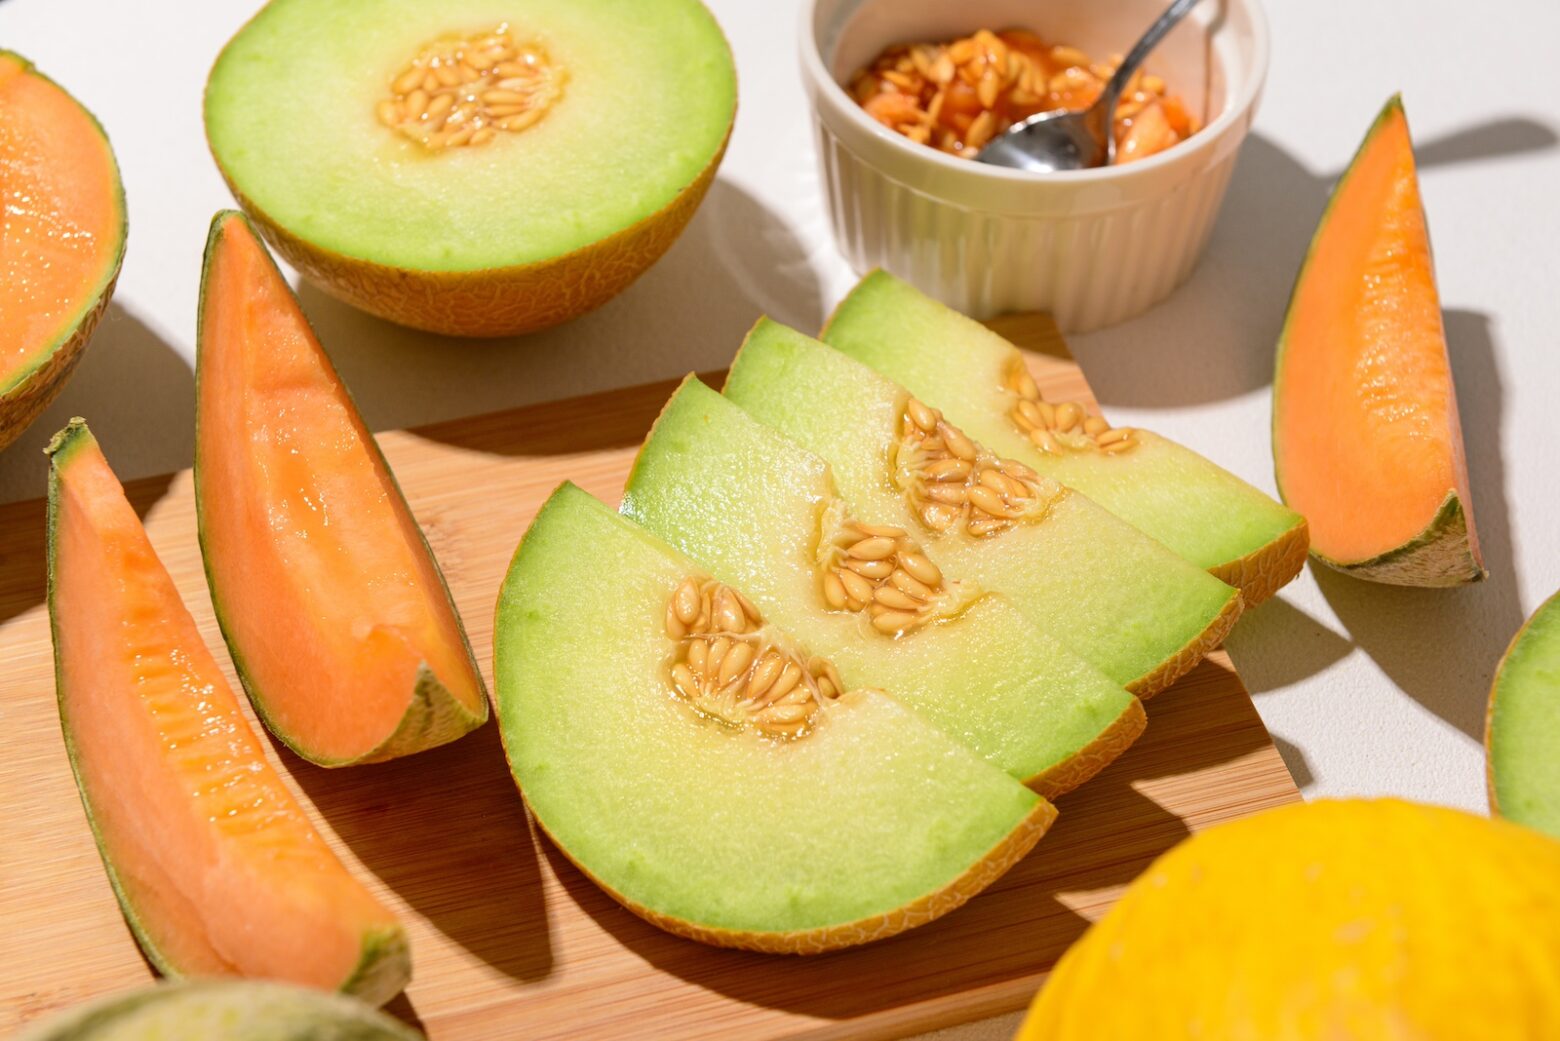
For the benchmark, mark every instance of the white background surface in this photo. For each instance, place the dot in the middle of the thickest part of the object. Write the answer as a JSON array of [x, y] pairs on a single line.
[[1367, 689]]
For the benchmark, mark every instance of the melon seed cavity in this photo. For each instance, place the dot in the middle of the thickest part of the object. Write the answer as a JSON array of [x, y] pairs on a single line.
[[731, 668], [466, 90], [881, 572], [1060, 427]]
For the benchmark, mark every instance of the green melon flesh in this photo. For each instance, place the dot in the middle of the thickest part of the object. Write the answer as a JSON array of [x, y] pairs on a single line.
[[740, 498], [1523, 737], [290, 118], [227, 1011], [1113, 596], [693, 824], [1197, 508]]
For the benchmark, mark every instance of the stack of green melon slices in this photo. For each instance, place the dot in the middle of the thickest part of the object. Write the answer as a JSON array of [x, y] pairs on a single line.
[[816, 682]]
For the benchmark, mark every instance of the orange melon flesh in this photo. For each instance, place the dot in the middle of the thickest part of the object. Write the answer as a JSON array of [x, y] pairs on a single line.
[[217, 868], [338, 618], [1366, 435]]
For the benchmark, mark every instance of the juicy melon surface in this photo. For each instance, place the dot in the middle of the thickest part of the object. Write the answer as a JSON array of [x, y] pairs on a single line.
[[334, 608], [290, 117], [62, 222], [1523, 736], [743, 500], [216, 867], [688, 821], [1195, 507], [1104, 590]]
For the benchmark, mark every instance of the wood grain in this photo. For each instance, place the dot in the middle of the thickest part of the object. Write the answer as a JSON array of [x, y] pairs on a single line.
[[508, 939]]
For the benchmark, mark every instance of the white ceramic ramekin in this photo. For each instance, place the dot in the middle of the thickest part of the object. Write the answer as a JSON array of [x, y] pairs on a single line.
[[1093, 247]]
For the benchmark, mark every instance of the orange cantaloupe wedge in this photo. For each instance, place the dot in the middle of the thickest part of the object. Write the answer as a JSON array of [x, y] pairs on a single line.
[[1366, 440], [216, 867], [335, 611]]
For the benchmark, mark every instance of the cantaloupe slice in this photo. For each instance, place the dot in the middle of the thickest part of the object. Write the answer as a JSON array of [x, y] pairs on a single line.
[[62, 238], [1522, 734], [216, 867], [1366, 440], [332, 604], [1366, 920]]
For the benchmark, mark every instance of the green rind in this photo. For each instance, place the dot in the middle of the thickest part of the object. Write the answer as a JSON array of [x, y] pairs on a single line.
[[221, 1011], [434, 717], [1522, 728]]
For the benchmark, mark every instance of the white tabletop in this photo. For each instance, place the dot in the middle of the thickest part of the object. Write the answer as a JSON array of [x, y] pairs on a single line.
[[1367, 689]]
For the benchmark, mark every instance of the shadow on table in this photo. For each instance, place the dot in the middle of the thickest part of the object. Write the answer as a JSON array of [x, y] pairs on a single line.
[[690, 311], [1278, 645], [1213, 339]]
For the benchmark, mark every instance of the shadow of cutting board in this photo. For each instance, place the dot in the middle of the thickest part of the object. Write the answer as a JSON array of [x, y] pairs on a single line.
[[508, 939]]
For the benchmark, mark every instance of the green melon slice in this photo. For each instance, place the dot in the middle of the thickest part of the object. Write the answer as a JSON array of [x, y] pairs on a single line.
[[1522, 737], [1197, 508], [867, 823], [754, 507], [227, 1011], [1117, 598]]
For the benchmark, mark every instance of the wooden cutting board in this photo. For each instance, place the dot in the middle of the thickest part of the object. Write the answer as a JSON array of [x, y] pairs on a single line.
[[508, 939]]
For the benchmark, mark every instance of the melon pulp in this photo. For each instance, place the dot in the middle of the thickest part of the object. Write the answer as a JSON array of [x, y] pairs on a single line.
[[754, 508], [62, 238], [216, 867], [221, 1011], [1110, 594], [869, 822], [978, 379], [1366, 440], [332, 605], [1522, 735], [1367, 920], [520, 229]]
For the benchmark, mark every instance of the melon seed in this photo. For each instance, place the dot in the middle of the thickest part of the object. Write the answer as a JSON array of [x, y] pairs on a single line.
[[1040, 421], [877, 567]]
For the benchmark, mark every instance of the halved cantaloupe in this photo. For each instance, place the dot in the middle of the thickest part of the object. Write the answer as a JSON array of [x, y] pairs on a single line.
[[1366, 441], [62, 238], [980, 381], [216, 867], [1522, 733], [332, 604], [706, 770]]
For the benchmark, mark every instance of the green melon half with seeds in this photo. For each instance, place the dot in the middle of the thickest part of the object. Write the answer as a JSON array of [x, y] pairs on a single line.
[[980, 382], [1522, 736], [764, 515], [733, 797], [1117, 598]]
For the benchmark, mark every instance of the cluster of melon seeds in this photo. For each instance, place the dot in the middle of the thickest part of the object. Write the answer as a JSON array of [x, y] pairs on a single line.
[[465, 90], [730, 667], [881, 571], [954, 484], [1058, 427]]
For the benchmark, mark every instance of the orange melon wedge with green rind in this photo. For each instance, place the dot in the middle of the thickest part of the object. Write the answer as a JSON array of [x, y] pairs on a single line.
[[217, 869], [1368, 920], [1522, 733], [869, 824], [335, 611], [1366, 438], [63, 234], [1194, 506]]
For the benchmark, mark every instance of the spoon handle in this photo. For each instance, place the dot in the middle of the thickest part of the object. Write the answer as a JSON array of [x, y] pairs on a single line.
[[1156, 32]]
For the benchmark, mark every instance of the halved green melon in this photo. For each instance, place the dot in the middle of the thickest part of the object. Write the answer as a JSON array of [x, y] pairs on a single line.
[[217, 868], [1522, 735], [227, 1011], [980, 382], [573, 143], [790, 824], [763, 514], [1115, 597]]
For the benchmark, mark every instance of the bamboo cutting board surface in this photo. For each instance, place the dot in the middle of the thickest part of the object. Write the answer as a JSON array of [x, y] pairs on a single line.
[[508, 939]]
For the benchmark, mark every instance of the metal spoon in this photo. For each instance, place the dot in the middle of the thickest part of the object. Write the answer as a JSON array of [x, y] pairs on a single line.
[[1050, 141]]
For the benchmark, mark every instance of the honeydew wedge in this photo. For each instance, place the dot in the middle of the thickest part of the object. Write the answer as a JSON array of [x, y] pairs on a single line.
[[980, 382], [216, 867], [757, 807], [1123, 602], [763, 514], [334, 609], [1522, 735]]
